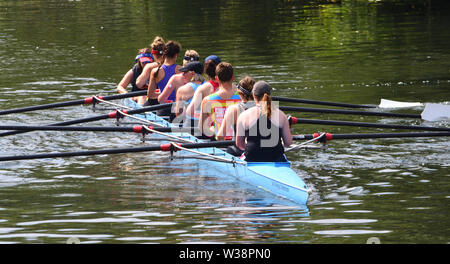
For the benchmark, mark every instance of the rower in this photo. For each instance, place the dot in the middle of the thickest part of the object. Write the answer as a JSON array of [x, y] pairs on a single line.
[[157, 48], [178, 80], [209, 87], [263, 130], [244, 89], [214, 106], [158, 77], [142, 59], [186, 92]]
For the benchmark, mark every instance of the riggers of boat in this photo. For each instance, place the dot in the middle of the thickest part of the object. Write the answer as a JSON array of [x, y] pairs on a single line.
[[275, 177]]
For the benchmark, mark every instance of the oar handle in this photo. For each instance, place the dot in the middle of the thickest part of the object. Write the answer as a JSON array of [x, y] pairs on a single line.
[[113, 114], [330, 136], [307, 101], [346, 112], [162, 147], [88, 100], [294, 120], [135, 129]]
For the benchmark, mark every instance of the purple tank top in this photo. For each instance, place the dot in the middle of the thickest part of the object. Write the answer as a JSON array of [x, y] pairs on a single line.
[[169, 71]]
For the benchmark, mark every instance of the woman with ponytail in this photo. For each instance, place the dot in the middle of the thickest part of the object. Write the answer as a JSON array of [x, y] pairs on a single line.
[[263, 131], [160, 75], [156, 51]]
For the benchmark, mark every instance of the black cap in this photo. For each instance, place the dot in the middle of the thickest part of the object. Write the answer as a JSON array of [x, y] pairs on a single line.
[[260, 88], [195, 66]]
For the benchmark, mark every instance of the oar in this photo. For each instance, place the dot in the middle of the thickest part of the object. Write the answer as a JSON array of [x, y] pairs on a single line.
[[330, 136], [88, 100], [307, 101], [385, 103], [135, 129], [162, 147], [431, 112], [346, 112], [294, 120], [113, 114]]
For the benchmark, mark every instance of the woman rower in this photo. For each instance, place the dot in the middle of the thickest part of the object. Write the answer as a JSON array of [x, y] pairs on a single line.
[[244, 89], [263, 130], [159, 78], [157, 48], [142, 59], [209, 87], [186, 92], [178, 80]]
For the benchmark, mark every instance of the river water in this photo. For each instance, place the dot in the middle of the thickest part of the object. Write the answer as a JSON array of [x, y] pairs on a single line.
[[394, 190]]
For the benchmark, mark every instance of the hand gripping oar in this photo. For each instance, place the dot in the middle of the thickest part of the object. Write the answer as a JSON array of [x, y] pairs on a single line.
[[307, 101], [329, 136], [88, 100], [162, 147], [294, 120], [114, 114]]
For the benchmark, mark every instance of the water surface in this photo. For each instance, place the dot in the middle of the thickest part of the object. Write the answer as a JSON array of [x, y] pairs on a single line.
[[356, 52]]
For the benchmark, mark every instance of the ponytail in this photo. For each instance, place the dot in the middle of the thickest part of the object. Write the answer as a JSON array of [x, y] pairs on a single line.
[[267, 105], [159, 67]]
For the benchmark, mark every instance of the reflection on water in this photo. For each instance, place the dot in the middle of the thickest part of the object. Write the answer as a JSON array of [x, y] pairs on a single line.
[[354, 52]]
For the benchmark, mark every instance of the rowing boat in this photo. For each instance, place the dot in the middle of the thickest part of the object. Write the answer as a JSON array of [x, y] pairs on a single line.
[[275, 177]]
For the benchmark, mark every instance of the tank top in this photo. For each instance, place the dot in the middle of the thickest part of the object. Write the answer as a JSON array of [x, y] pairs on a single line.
[[194, 87], [214, 84], [197, 111], [259, 148], [136, 73], [218, 108], [168, 72]]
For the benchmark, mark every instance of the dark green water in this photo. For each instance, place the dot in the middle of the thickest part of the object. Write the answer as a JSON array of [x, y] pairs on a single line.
[[356, 52]]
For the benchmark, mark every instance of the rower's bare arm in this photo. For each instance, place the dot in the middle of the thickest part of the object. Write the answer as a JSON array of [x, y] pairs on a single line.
[[240, 135], [122, 86], [151, 94], [167, 90], [196, 102], [205, 118], [145, 75], [286, 130], [184, 93]]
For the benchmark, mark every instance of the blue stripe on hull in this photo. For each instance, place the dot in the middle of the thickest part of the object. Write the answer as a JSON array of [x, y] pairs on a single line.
[[275, 177]]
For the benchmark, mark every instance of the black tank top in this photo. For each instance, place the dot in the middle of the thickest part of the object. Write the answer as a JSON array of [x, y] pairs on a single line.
[[259, 147], [136, 73]]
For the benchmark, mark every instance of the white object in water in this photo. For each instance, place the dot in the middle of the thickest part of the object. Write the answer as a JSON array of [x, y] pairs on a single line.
[[435, 112], [395, 104]]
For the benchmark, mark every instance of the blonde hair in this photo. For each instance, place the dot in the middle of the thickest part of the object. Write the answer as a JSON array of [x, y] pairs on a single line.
[[158, 45], [191, 54], [266, 106], [197, 78]]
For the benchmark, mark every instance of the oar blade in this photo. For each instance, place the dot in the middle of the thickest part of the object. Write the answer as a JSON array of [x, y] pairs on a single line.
[[385, 103], [435, 112]]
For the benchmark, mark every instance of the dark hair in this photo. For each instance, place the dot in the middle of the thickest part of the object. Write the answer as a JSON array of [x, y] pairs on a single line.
[[224, 72], [172, 48], [246, 83], [143, 50], [210, 69]]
